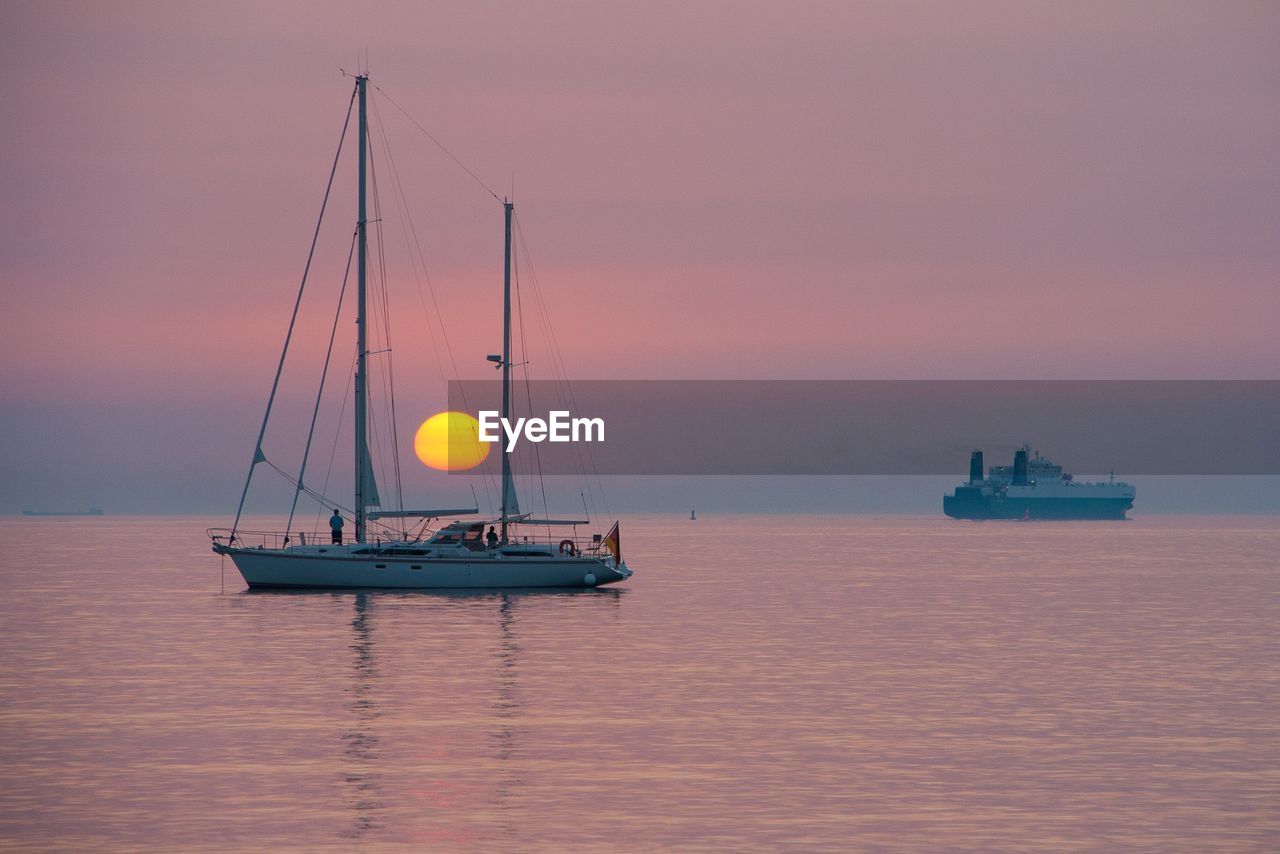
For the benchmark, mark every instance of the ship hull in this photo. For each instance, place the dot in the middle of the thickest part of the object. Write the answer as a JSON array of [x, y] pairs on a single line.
[[263, 568], [966, 506]]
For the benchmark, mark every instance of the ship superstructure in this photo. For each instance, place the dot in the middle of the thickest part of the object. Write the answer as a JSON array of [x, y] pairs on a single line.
[[1034, 487]]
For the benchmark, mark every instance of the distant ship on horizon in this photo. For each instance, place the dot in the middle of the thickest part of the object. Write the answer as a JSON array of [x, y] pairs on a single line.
[[1034, 488], [92, 511]]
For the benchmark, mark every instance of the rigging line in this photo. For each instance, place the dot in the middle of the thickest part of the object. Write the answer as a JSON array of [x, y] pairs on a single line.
[[418, 259], [560, 375], [324, 373], [275, 383], [328, 501], [337, 434], [528, 390], [310, 492], [438, 143], [561, 383], [382, 310], [488, 479], [557, 360], [528, 387], [386, 323], [406, 220], [580, 458]]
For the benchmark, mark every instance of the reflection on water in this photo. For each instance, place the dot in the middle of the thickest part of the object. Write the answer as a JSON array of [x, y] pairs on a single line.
[[362, 744], [506, 709], [835, 683], [498, 661]]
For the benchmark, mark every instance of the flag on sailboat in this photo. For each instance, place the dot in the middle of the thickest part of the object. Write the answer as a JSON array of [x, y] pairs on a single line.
[[613, 542]]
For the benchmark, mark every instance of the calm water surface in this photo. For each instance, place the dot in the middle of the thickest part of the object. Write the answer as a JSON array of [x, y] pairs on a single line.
[[763, 682]]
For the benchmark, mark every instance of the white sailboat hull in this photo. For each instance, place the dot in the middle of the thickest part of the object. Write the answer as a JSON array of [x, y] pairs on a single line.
[[280, 568]]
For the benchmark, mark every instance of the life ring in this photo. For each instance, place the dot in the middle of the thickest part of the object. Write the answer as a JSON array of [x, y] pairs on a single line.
[[568, 548]]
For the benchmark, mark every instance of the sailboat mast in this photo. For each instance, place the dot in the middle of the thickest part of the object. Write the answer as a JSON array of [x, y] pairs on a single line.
[[507, 497], [362, 349]]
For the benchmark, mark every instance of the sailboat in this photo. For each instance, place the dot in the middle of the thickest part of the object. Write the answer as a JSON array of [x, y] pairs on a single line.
[[456, 555]]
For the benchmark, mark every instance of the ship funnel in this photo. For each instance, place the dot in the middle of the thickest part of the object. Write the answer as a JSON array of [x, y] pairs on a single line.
[[975, 467], [1020, 467]]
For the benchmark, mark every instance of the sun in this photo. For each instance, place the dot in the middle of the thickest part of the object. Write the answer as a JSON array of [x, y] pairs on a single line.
[[450, 441]]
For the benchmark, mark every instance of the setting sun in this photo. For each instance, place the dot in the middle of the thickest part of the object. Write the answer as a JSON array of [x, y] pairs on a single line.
[[450, 441]]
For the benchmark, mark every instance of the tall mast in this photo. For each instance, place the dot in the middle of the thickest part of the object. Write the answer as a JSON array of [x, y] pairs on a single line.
[[362, 349], [507, 486]]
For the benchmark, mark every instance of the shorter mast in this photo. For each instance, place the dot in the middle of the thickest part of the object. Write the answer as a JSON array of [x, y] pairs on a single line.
[[508, 488]]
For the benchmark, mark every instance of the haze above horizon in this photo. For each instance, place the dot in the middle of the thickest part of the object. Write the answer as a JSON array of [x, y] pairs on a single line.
[[712, 190]]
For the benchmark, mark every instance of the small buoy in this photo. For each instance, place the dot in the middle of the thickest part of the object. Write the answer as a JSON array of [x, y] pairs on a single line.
[[589, 579]]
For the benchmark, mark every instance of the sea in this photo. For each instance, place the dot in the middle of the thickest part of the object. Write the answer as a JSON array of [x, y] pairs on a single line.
[[762, 682]]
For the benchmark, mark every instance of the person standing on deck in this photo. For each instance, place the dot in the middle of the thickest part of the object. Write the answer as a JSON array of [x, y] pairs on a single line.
[[335, 527]]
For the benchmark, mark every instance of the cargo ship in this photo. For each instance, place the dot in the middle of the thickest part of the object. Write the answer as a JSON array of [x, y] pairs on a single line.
[[1034, 488]]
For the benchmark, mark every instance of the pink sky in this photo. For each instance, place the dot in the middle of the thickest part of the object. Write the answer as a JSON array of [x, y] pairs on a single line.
[[933, 190]]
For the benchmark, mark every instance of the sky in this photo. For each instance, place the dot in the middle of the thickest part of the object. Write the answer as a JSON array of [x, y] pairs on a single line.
[[708, 190]]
